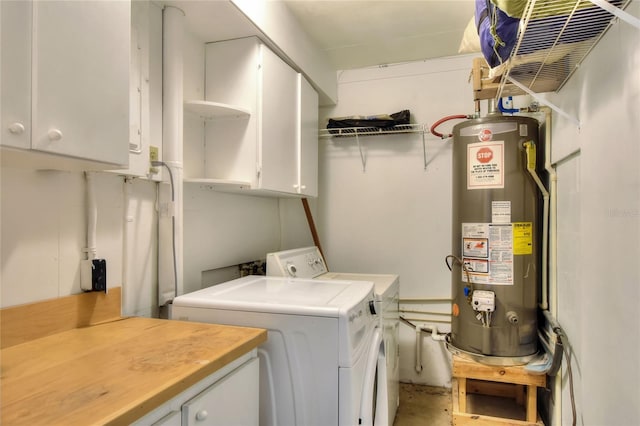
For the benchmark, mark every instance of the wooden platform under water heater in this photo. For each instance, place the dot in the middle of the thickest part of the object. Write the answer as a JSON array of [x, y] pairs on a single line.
[[515, 386]]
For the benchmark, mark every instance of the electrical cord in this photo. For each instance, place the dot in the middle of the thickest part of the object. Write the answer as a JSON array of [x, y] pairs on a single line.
[[571, 393], [173, 225], [466, 271]]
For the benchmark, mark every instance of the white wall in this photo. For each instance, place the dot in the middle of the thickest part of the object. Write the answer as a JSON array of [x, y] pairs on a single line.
[[599, 229], [43, 222], [395, 217]]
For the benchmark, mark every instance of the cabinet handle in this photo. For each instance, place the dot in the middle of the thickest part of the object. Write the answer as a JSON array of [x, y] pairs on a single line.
[[54, 135], [201, 415], [16, 128]]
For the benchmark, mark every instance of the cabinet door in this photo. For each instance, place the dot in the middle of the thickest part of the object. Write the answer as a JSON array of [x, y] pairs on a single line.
[[232, 401], [15, 73], [308, 143], [80, 79], [278, 124]]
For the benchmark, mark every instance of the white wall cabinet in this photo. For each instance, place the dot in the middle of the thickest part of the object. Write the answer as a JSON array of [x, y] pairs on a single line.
[[308, 140], [259, 150], [226, 398], [65, 78]]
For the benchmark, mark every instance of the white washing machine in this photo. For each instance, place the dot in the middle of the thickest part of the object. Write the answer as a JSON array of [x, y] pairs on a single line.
[[307, 262], [321, 361]]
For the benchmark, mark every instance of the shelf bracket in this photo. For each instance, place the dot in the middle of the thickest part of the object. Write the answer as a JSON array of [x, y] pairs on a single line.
[[544, 101], [424, 152], [362, 157]]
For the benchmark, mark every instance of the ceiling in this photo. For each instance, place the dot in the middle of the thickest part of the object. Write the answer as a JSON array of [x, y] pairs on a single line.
[[353, 33], [362, 33]]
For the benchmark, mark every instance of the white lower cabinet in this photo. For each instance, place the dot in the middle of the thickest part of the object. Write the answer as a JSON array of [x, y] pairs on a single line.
[[231, 401], [229, 397]]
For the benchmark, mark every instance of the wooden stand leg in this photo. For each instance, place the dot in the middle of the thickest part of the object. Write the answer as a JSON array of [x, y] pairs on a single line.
[[462, 394], [532, 403]]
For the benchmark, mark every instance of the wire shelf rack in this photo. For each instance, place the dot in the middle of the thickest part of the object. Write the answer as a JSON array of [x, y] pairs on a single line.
[[372, 131], [376, 131], [555, 36]]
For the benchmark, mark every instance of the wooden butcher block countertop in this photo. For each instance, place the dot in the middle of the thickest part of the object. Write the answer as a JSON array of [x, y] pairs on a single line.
[[114, 372]]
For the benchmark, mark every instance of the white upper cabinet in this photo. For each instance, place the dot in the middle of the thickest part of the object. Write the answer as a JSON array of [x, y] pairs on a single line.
[[277, 122], [72, 68], [15, 60], [261, 148], [308, 140]]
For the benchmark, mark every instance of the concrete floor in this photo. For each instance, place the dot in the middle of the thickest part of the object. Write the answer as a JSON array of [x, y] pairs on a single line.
[[423, 405]]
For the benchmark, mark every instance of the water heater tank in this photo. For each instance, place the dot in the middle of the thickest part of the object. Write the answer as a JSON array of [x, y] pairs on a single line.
[[496, 227]]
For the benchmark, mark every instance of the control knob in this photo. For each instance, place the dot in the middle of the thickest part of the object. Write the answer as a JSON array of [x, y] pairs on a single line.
[[291, 268], [372, 307]]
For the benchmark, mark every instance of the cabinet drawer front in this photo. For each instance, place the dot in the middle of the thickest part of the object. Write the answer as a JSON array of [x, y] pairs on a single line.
[[233, 400]]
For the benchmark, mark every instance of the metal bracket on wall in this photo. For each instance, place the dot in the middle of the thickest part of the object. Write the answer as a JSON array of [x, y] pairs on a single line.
[[544, 101]]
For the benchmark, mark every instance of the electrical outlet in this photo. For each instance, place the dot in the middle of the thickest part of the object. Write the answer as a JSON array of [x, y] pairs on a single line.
[[99, 278], [153, 156], [93, 275]]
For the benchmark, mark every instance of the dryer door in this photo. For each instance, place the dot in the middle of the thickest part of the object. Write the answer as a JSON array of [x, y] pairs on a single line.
[[374, 410]]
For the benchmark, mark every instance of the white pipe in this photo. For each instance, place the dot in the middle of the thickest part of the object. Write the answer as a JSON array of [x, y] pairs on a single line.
[[418, 349], [551, 293], [170, 281], [92, 217], [126, 190], [551, 303], [545, 221], [434, 335], [430, 299]]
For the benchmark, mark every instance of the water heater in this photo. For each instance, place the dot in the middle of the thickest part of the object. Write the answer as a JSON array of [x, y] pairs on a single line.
[[496, 226]]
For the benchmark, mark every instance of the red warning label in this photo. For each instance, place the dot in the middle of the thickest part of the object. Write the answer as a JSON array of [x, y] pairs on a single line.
[[484, 155], [485, 165]]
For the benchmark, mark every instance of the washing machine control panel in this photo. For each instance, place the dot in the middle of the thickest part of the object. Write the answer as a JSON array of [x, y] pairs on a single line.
[[300, 263]]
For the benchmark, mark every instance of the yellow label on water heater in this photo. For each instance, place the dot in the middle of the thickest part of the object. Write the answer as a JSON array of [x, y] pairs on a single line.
[[522, 238]]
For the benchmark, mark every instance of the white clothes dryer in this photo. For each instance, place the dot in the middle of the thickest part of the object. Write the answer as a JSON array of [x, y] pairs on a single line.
[[307, 262], [320, 363]]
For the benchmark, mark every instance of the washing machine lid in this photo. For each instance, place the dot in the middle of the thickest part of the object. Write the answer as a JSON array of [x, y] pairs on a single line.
[[307, 262], [385, 285], [282, 295]]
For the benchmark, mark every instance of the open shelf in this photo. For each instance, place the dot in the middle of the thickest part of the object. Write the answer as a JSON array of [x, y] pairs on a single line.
[[220, 184], [371, 131], [209, 110], [555, 36], [356, 132]]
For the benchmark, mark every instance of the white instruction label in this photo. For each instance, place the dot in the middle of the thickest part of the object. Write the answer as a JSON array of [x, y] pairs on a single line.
[[485, 165], [487, 253], [501, 212]]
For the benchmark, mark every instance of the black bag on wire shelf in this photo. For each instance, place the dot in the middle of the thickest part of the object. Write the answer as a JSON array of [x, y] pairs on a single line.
[[381, 121]]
